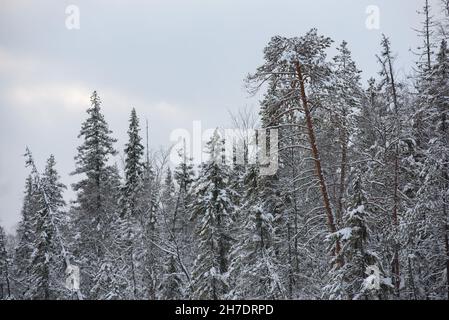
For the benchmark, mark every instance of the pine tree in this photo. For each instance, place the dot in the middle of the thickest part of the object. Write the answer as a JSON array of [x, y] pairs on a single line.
[[298, 71]]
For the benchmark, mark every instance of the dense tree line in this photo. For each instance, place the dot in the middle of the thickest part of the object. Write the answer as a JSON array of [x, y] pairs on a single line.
[[358, 208]]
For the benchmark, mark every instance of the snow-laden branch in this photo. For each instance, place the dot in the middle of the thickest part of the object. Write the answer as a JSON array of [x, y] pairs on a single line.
[[64, 252]]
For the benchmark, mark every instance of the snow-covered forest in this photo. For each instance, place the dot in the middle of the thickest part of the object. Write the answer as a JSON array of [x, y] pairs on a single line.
[[358, 208]]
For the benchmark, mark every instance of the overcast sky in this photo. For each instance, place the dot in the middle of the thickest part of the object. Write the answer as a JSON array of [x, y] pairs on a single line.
[[174, 61]]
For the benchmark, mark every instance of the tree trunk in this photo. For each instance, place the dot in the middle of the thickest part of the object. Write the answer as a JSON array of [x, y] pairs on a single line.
[[343, 164], [317, 160], [427, 35], [445, 177], [395, 263]]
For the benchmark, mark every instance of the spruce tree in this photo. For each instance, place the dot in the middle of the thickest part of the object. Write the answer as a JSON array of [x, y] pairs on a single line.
[[25, 238], [255, 266], [132, 207], [212, 210], [48, 258], [432, 196], [94, 210], [350, 280], [134, 168], [172, 284]]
